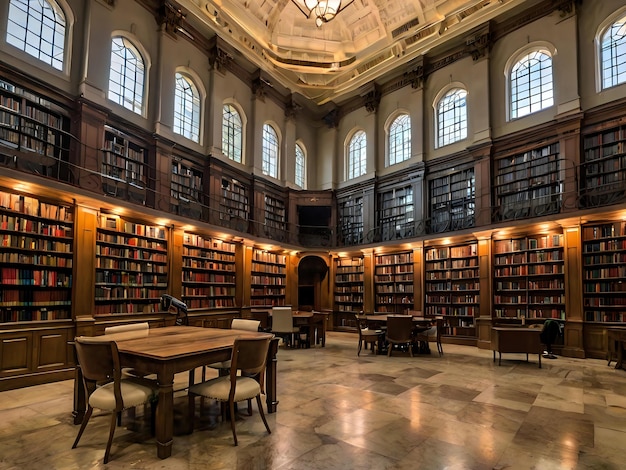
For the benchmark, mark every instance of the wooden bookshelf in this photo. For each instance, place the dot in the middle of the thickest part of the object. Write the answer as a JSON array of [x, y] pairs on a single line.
[[604, 269], [34, 130], [604, 167], [234, 207], [208, 272], [452, 285], [36, 273], [529, 184], [452, 201], [123, 167], [275, 217], [396, 213], [186, 189], [393, 280], [350, 220], [349, 289], [131, 266], [268, 278], [529, 279]]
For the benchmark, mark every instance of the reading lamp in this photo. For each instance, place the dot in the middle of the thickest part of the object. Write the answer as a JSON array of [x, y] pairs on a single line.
[[168, 303]]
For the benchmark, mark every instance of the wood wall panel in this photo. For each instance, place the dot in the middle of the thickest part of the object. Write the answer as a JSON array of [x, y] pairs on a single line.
[[15, 353]]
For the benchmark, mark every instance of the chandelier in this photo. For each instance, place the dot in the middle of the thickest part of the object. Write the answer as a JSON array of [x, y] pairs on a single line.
[[322, 10]]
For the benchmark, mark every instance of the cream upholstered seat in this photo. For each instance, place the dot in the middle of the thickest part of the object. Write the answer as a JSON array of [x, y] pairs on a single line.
[[282, 324], [237, 324], [99, 361], [248, 358]]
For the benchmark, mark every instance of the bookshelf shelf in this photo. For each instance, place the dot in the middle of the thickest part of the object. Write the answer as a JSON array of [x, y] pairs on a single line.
[[208, 272], [268, 279], [393, 280], [452, 201], [604, 268], [397, 213], [37, 257], [529, 279], [131, 266], [349, 287], [452, 285], [604, 167]]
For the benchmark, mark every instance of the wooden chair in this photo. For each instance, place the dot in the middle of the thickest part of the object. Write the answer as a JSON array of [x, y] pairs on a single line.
[[400, 332], [367, 336], [106, 390], [433, 334], [248, 359]]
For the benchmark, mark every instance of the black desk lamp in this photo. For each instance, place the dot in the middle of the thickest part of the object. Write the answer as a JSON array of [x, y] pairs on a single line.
[[174, 305]]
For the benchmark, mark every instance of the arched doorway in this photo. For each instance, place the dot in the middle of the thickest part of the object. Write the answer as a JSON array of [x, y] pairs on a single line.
[[311, 272]]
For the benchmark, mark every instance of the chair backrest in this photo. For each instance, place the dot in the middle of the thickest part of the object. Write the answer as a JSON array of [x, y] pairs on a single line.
[[282, 319], [98, 358], [399, 327], [130, 331], [249, 356], [245, 324]]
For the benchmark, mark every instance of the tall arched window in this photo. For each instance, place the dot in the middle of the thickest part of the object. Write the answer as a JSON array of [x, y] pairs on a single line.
[[38, 28], [270, 151], [232, 133], [186, 108], [613, 54], [357, 155], [399, 139], [452, 117], [127, 75], [530, 80], [300, 167]]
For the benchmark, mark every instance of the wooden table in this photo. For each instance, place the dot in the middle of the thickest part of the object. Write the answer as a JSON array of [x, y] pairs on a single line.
[[167, 351], [420, 324], [616, 341], [315, 321], [516, 340]]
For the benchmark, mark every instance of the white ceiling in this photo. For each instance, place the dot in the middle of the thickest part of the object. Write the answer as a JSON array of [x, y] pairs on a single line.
[[366, 40]]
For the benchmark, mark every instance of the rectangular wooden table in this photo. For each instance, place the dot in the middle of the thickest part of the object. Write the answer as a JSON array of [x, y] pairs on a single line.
[[516, 340], [170, 350]]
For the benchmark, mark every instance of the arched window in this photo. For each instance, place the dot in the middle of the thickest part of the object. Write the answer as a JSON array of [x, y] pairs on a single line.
[[399, 139], [232, 133], [38, 28], [300, 167], [613, 54], [452, 117], [357, 155], [270, 151], [127, 75], [186, 108], [530, 80]]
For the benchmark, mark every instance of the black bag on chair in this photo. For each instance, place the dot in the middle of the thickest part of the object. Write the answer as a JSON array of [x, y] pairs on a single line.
[[549, 333]]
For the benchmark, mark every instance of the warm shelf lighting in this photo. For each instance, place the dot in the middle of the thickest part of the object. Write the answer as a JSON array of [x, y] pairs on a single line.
[[322, 10]]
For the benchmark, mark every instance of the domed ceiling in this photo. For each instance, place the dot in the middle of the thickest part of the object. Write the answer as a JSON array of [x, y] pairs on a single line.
[[365, 40]]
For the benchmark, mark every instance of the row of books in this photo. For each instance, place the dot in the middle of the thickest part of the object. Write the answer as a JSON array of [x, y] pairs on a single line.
[[210, 303], [213, 291], [608, 258], [267, 291], [267, 257], [393, 269], [348, 299], [355, 277], [24, 242], [127, 307], [204, 253], [124, 265], [356, 289], [269, 269], [391, 278], [616, 272], [208, 277], [54, 261], [35, 277], [24, 224], [131, 253], [191, 263], [33, 207], [400, 258], [12, 316], [135, 278], [131, 241], [125, 293], [607, 287], [34, 296], [608, 245], [266, 280], [466, 311]]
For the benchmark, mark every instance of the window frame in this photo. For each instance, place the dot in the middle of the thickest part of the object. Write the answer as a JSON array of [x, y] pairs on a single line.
[[190, 128], [406, 140], [300, 166], [351, 154], [270, 151], [226, 145], [463, 123], [137, 49], [602, 30], [515, 59]]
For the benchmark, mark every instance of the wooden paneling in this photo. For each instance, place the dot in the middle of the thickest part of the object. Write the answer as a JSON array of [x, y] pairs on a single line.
[[15, 353]]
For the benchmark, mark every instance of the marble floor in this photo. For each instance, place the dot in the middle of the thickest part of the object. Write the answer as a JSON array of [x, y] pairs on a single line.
[[340, 411]]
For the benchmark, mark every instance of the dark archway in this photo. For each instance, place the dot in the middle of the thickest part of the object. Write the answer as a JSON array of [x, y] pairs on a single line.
[[311, 272]]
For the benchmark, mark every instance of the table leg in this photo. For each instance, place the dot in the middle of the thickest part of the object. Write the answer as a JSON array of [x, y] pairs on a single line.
[[270, 376], [165, 414]]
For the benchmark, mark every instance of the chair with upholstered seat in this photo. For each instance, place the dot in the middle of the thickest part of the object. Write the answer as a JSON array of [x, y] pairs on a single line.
[[248, 358], [367, 335], [400, 332], [106, 390], [282, 324], [432, 334]]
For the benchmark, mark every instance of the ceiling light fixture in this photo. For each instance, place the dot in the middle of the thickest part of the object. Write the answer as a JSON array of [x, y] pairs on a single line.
[[322, 10]]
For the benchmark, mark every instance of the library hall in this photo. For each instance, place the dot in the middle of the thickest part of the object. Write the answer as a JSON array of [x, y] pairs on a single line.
[[313, 234]]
